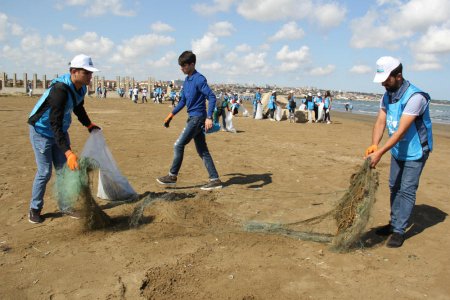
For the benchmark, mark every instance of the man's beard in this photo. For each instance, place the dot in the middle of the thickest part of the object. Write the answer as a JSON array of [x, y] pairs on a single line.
[[391, 89]]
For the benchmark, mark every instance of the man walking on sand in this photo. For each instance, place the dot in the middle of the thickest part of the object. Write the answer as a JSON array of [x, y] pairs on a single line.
[[195, 93], [49, 123], [404, 110]]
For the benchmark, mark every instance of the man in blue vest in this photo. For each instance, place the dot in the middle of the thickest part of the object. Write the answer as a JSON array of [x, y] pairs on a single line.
[[49, 122], [404, 110], [195, 93], [256, 101]]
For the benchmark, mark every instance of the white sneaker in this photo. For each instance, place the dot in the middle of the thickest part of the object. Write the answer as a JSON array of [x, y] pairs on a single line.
[[328, 122]]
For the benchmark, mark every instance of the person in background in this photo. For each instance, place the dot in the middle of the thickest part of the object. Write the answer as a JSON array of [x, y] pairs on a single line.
[[30, 89], [404, 110], [291, 105], [317, 101], [173, 97], [130, 93], [144, 94], [272, 105], [99, 91], [49, 122], [196, 91], [327, 106], [158, 94], [136, 94], [256, 101], [310, 107]]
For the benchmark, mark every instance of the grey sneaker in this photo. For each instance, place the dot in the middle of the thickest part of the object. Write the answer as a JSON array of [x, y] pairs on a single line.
[[167, 180], [212, 185], [34, 216]]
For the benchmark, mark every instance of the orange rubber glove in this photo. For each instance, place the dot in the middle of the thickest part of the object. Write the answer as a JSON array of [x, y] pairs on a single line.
[[371, 149], [168, 119], [92, 126], [71, 160]]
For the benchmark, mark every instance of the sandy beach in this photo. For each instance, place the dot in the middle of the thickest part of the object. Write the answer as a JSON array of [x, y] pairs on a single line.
[[196, 247]]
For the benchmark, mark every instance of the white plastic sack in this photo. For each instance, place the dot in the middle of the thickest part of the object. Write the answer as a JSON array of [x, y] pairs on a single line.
[[112, 185], [229, 122], [278, 113], [259, 112], [302, 107], [321, 114], [244, 111]]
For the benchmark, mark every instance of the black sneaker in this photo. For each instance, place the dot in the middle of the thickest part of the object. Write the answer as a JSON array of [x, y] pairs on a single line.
[[167, 180], [34, 216], [212, 185], [396, 240], [384, 230]]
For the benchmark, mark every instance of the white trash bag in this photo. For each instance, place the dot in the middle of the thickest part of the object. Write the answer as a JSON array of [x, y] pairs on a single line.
[[278, 114], [259, 112], [244, 111], [229, 122], [112, 185]]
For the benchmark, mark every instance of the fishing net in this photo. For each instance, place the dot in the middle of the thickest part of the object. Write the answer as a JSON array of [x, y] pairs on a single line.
[[73, 192], [350, 215], [138, 213]]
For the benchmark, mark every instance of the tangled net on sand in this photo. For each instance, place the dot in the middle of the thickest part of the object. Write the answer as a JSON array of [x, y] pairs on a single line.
[[350, 214], [73, 191]]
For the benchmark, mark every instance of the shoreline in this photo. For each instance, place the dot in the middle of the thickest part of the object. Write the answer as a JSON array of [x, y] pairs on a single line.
[[441, 129]]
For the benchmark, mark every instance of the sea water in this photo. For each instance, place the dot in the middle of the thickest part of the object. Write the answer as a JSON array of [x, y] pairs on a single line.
[[439, 112]]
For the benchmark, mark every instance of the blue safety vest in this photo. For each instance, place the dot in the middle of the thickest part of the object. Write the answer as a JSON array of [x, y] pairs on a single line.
[[419, 137], [326, 103], [42, 125], [272, 104]]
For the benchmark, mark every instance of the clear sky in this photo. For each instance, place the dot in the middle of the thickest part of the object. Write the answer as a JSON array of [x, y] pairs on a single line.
[[323, 44]]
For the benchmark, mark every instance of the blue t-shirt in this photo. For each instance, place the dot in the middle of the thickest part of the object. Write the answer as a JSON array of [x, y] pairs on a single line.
[[195, 93]]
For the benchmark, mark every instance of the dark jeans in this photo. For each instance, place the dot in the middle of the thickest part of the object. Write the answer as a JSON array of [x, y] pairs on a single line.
[[271, 112], [403, 183], [194, 129], [327, 115], [222, 113], [316, 112]]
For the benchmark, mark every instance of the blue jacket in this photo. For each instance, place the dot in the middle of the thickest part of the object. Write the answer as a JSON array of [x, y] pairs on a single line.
[[195, 93], [42, 125], [419, 137]]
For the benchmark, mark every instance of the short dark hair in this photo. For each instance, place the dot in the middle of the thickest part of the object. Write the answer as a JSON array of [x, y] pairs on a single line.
[[187, 57], [397, 70]]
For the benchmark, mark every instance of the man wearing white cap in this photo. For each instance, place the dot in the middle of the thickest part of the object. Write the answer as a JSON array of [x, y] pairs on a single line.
[[404, 110], [49, 122]]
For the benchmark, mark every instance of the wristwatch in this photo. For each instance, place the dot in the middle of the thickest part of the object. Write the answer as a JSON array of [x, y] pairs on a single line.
[[209, 118]]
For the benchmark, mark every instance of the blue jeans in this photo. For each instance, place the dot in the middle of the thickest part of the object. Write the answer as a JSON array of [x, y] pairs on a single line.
[[46, 152], [403, 183], [194, 129]]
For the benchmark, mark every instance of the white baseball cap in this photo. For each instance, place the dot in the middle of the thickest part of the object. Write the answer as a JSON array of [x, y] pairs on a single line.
[[319, 94], [82, 61], [385, 65], [274, 91], [309, 94]]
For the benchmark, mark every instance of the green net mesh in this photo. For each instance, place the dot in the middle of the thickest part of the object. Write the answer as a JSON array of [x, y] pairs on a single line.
[[73, 192], [350, 215]]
